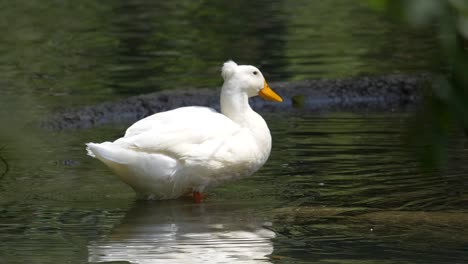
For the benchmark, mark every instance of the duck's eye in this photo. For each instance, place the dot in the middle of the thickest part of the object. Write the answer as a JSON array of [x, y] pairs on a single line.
[[255, 72]]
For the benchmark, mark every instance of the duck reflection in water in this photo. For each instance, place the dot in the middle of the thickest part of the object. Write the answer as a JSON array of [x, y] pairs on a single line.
[[183, 232]]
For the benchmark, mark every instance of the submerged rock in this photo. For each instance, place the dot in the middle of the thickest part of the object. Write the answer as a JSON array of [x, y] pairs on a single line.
[[390, 217], [382, 93]]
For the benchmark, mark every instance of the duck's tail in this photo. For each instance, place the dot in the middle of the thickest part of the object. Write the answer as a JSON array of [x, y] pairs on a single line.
[[107, 152], [89, 147]]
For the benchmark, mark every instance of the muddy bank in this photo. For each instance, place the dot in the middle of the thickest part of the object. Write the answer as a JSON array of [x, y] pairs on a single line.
[[382, 93]]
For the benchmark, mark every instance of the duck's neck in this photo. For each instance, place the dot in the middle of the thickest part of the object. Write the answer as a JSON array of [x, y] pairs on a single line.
[[235, 105]]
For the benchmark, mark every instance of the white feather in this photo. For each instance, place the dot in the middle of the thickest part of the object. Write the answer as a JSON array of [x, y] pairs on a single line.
[[228, 70]]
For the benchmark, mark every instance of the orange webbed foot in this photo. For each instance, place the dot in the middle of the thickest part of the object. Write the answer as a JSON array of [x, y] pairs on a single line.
[[198, 197]]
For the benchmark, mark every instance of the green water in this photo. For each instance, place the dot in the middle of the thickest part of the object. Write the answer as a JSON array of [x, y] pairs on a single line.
[[52, 52], [338, 188]]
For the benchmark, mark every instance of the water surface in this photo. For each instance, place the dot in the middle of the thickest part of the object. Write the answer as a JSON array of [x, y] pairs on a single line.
[[84, 52], [338, 188]]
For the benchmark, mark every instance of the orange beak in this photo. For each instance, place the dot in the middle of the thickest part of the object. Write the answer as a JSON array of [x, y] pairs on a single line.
[[267, 93]]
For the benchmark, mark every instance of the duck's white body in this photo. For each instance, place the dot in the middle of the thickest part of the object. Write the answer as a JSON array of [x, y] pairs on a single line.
[[172, 153]]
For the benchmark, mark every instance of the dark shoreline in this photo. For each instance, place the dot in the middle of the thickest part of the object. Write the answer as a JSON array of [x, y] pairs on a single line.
[[378, 93]]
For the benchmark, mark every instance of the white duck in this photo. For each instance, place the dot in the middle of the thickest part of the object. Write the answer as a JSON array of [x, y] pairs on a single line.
[[173, 153]]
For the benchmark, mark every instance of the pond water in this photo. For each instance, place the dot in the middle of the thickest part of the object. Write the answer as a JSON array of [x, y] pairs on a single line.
[[84, 52], [338, 188]]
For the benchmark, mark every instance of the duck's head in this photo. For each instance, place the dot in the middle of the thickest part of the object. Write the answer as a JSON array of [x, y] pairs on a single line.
[[247, 79]]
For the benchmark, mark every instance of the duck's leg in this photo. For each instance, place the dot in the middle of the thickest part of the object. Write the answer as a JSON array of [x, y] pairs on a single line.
[[198, 197]]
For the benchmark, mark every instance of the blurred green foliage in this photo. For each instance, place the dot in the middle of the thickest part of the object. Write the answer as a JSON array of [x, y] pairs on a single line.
[[447, 104]]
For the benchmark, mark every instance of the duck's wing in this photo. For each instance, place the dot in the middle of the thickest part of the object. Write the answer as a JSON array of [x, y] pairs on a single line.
[[169, 119], [180, 132]]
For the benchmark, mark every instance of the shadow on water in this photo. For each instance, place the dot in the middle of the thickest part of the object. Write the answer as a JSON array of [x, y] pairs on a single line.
[[183, 232], [6, 167]]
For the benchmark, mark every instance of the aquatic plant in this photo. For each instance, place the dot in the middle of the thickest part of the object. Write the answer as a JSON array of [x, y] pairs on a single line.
[[447, 103]]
